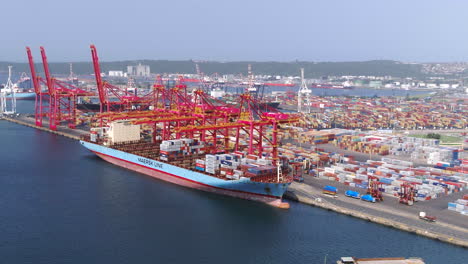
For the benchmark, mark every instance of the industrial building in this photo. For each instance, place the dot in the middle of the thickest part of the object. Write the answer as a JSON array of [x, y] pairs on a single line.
[[117, 74], [139, 70]]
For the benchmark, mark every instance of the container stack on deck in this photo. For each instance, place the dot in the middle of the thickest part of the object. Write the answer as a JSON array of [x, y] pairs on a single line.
[[237, 165], [179, 148]]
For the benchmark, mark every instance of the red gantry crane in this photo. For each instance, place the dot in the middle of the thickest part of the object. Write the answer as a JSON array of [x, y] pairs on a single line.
[[63, 97], [58, 102], [41, 109], [374, 187], [247, 119], [113, 98], [407, 193]]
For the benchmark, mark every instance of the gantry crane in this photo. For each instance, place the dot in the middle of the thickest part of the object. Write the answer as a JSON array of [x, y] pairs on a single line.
[[374, 187], [303, 96], [42, 101], [407, 193], [8, 91], [113, 98], [63, 97]]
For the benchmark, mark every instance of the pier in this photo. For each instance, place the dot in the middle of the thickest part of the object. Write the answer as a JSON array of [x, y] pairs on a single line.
[[62, 130]]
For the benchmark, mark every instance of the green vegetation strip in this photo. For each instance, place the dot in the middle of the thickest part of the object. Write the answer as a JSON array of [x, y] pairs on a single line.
[[443, 138]]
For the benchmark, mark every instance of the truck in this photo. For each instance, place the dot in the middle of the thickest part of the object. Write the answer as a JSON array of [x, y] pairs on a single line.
[[330, 190], [368, 198], [423, 216], [353, 194]]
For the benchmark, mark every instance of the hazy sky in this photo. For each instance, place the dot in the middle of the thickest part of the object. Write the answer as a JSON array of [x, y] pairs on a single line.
[[312, 30]]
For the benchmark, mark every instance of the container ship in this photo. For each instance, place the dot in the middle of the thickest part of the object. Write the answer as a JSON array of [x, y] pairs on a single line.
[[94, 107], [22, 95], [353, 260], [192, 140], [272, 104], [329, 86], [89, 107], [184, 162], [21, 90]]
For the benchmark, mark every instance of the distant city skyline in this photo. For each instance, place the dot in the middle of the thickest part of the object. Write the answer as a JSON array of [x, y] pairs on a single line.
[[334, 30]]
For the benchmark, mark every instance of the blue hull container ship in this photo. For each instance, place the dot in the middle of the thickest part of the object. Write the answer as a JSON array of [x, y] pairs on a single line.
[[183, 162]]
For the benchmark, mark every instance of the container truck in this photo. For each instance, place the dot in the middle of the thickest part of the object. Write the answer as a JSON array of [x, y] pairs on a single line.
[[353, 194], [423, 216], [368, 198], [330, 190]]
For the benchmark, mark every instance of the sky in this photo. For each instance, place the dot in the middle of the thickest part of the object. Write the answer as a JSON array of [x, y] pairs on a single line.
[[237, 30]]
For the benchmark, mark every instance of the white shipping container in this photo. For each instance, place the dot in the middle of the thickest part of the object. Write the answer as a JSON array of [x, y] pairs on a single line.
[[120, 131]]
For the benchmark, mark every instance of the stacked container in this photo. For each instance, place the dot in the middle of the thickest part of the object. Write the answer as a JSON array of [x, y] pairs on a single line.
[[178, 148], [460, 205], [430, 183]]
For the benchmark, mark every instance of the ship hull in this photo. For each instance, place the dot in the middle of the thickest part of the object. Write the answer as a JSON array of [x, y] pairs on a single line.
[[22, 96], [332, 87], [273, 104], [88, 107], [269, 193]]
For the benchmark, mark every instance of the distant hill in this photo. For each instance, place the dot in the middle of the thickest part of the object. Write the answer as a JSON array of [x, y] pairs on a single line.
[[312, 69]]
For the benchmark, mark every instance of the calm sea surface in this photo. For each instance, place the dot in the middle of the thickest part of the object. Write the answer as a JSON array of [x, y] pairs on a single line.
[[61, 204]]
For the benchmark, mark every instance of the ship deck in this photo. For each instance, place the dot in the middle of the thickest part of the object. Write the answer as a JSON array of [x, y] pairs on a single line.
[[152, 151]]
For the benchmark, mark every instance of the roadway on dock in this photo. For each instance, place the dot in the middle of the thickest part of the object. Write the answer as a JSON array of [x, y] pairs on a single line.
[[449, 223], [28, 120]]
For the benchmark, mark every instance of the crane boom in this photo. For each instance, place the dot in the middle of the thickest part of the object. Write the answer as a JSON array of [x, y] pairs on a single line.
[[37, 87], [50, 84], [97, 73]]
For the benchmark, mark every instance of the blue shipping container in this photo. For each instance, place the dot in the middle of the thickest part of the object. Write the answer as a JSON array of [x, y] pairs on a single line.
[[330, 189]]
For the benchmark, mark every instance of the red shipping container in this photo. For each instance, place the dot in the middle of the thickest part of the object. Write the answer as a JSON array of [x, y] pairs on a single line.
[[465, 197], [253, 157], [459, 185], [249, 174], [359, 181]]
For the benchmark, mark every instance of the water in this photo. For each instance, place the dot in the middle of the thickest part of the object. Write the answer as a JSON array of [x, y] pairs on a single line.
[[61, 204], [367, 92]]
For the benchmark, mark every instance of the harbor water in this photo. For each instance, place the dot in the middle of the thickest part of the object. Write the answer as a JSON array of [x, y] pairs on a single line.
[[359, 92], [61, 204], [367, 92]]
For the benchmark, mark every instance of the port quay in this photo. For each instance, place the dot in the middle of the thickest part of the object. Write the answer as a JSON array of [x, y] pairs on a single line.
[[309, 192], [395, 161]]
